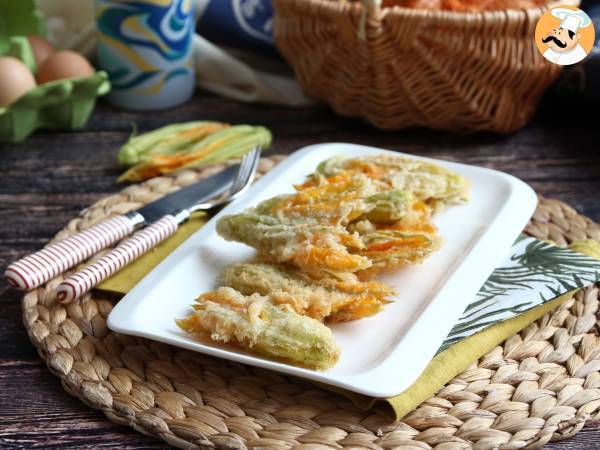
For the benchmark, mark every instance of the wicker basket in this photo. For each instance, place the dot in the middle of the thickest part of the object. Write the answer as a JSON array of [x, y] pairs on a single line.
[[401, 67]]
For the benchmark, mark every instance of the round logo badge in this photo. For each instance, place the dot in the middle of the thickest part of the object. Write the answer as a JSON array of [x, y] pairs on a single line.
[[564, 35]]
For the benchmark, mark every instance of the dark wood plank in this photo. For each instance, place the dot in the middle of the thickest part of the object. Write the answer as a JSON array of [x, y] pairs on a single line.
[[48, 179]]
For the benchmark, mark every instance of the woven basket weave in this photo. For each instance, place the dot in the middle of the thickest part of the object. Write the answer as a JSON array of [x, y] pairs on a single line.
[[542, 384], [400, 67]]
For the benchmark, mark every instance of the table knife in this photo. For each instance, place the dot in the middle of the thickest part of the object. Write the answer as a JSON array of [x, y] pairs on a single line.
[[38, 268]]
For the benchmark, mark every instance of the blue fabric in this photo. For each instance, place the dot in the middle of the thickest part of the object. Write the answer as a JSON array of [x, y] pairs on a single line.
[[245, 24]]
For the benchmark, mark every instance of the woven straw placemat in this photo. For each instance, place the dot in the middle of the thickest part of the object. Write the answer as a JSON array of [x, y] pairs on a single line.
[[540, 385]]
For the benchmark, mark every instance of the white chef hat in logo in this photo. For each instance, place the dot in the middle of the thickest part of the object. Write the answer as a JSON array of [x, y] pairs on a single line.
[[571, 19]]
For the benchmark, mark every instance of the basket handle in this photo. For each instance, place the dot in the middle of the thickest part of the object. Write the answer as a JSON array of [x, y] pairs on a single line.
[[371, 9]]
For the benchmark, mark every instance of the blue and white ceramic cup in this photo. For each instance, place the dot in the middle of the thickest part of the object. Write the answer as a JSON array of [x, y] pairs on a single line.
[[146, 48]]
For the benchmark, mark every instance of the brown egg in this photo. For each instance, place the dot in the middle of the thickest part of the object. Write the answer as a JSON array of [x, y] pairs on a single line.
[[41, 49], [64, 64], [15, 80]]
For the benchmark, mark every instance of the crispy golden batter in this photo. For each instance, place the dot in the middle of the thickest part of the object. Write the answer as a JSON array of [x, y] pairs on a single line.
[[429, 182], [407, 241], [328, 226], [257, 324], [324, 299], [307, 246], [317, 250], [306, 229], [340, 201]]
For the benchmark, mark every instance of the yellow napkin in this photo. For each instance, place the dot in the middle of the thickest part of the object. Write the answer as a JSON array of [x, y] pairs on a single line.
[[442, 368], [451, 362]]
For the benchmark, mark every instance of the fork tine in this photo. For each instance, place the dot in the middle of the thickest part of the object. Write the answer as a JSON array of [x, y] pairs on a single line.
[[255, 158], [249, 164], [255, 162], [241, 182], [247, 169], [238, 182]]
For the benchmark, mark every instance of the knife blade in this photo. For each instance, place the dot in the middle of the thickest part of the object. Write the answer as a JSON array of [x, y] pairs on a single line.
[[185, 197], [36, 269]]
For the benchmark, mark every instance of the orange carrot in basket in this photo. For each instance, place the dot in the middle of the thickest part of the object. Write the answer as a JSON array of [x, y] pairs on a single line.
[[464, 5]]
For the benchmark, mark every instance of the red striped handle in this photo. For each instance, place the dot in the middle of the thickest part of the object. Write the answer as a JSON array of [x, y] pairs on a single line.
[[40, 267], [78, 284]]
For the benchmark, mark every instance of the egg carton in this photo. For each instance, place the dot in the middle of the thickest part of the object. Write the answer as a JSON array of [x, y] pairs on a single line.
[[58, 105]]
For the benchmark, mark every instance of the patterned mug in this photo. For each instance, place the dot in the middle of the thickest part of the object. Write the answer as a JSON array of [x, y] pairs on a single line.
[[146, 48]]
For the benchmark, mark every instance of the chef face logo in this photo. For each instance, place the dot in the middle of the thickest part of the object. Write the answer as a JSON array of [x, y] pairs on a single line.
[[561, 40], [564, 35]]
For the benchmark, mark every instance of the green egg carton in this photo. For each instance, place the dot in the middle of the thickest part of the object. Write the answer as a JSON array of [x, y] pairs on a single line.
[[59, 105]]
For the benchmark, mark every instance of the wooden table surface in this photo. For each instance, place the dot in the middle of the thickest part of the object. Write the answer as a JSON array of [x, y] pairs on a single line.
[[48, 179]]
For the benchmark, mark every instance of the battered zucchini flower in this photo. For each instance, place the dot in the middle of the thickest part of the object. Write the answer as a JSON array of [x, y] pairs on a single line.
[[255, 323], [323, 299]]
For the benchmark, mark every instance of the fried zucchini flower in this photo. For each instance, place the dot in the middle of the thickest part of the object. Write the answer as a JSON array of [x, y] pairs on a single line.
[[429, 182], [257, 324], [327, 298], [316, 228], [317, 250]]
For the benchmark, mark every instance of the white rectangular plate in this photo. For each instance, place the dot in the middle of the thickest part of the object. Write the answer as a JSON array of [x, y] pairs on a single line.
[[381, 355]]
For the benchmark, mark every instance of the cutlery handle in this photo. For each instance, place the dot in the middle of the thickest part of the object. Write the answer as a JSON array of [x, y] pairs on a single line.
[[36, 269], [78, 284]]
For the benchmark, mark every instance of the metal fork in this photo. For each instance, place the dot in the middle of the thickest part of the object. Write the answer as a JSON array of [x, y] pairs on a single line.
[[132, 248], [239, 185]]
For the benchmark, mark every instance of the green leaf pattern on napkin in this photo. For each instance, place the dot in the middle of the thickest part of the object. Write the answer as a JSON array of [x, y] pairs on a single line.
[[535, 273]]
